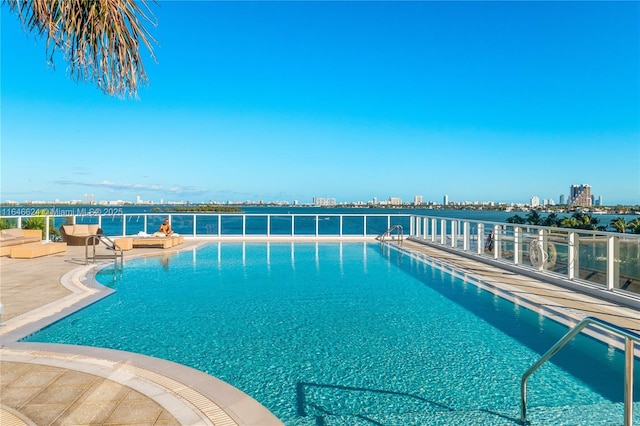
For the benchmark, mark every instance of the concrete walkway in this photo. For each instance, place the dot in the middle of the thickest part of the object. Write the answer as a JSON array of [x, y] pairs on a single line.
[[50, 384]]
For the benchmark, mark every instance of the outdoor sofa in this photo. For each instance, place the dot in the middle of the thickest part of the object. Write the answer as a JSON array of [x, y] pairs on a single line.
[[31, 250], [17, 236], [20, 243]]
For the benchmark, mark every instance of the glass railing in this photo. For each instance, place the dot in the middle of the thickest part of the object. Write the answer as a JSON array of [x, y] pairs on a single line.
[[605, 259], [229, 224]]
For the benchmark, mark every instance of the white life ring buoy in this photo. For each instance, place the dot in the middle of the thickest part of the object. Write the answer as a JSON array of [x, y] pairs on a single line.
[[537, 255]]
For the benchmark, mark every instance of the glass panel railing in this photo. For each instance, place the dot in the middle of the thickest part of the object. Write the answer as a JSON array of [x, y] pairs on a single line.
[[592, 261], [256, 225], [207, 224], [182, 224], [629, 261], [328, 225], [153, 222], [281, 225], [376, 225], [134, 224], [604, 259], [353, 225], [304, 225], [231, 225]]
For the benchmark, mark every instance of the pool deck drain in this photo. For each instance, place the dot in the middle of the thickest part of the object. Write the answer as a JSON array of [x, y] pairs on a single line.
[[65, 384]]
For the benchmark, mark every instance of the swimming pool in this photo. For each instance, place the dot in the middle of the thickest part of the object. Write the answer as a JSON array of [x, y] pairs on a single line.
[[347, 333]]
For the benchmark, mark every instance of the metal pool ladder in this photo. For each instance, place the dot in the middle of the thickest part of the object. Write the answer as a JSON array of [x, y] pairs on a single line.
[[388, 232], [629, 338], [93, 241]]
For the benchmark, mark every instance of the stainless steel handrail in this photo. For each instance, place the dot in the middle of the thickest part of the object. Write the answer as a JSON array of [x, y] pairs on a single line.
[[629, 336], [388, 232], [109, 243]]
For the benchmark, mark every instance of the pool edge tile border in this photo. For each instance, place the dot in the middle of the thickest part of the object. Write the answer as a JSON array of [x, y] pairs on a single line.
[[190, 395]]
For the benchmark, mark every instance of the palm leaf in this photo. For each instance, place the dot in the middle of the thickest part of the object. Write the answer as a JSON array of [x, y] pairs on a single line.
[[100, 39]]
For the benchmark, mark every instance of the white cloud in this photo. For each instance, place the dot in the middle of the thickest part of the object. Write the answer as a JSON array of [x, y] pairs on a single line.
[[113, 186]]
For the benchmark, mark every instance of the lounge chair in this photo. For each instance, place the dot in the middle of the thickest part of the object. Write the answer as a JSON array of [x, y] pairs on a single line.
[[157, 241], [76, 235]]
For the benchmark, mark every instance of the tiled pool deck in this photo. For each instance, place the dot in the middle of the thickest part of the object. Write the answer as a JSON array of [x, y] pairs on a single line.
[[48, 384]]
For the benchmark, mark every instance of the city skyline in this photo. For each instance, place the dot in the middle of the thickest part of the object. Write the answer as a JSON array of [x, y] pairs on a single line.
[[535, 201], [348, 100]]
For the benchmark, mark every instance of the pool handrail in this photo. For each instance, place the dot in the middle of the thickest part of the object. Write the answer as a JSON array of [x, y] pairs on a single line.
[[388, 232], [93, 241], [629, 336]]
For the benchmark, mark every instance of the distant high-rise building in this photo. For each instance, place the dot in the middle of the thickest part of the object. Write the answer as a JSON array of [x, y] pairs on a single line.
[[561, 199], [395, 201], [85, 199], [535, 201], [417, 200], [321, 202], [600, 200], [580, 196], [445, 200]]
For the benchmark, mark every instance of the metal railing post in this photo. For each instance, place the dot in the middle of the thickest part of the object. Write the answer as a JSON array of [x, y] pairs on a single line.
[[443, 231], [46, 228], [573, 255], [466, 235], [517, 250], [434, 229], [425, 227], [454, 234], [480, 248], [613, 264], [244, 225], [364, 229], [195, 217]]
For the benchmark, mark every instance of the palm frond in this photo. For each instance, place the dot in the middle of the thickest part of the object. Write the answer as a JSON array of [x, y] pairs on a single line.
[[100, 39]]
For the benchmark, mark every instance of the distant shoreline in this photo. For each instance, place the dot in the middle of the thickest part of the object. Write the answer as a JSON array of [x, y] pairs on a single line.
[[6, 208]]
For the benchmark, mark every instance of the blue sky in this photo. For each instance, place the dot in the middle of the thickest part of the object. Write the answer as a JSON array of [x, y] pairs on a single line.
[[286, 101]]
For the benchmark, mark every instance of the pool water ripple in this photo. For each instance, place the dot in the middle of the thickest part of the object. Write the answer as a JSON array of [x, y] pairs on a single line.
[[344, 333]]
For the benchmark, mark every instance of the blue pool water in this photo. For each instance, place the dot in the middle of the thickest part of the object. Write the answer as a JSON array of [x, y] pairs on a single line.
[[347, 333]]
